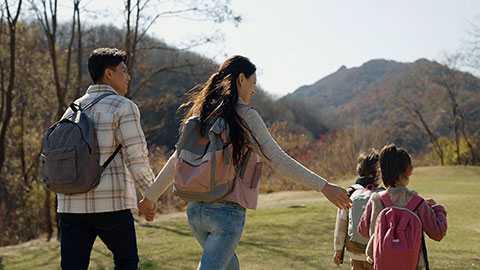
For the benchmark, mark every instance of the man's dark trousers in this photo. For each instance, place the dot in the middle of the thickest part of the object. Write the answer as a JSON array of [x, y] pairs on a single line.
[[115, 229]]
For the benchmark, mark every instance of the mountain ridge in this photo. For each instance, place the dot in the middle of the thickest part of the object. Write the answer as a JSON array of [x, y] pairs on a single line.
[[372, 95]]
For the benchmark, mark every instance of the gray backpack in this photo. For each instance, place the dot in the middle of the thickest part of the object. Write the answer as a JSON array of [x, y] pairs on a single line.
[[360, 198], [70, 158]]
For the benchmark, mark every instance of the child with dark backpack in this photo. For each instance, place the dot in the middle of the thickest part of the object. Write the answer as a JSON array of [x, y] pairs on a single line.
[[346, 234], [395, 220]]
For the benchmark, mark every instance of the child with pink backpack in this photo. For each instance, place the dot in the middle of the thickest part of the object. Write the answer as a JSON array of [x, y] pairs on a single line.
[[395, 220]]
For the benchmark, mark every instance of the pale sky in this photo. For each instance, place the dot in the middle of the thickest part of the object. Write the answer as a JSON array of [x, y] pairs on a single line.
[[294, 43]]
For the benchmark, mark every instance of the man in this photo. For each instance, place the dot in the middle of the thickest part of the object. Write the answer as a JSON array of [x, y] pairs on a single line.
[[105, 211]]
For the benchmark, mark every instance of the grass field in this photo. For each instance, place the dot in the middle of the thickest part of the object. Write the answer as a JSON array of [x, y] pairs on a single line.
[[278, 237]]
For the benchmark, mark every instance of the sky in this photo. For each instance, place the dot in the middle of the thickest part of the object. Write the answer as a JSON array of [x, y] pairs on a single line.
[[295, 43]]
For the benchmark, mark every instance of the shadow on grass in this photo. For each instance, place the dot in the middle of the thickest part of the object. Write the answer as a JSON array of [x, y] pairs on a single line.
[[1, 264], [281, 253], [182, 233]]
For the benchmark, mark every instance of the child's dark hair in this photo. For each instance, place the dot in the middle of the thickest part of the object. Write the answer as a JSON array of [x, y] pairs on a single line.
[[367, 163], [102, 58], [394, 164]]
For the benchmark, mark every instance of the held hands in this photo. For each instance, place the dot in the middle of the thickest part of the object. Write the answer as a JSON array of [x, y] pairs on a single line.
[[147, 207], [337, 195]]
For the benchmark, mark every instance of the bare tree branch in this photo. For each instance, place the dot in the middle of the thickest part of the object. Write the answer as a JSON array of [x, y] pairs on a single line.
[[158, 70]]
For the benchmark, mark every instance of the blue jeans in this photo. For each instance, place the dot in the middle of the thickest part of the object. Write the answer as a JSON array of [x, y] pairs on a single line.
[[218, 227], [115, 229]]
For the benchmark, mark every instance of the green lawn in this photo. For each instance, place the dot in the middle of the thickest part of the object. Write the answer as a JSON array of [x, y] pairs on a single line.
[[277, 237]]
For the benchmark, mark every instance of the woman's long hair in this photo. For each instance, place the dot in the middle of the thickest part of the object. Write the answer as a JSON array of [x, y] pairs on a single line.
[[219, 96]]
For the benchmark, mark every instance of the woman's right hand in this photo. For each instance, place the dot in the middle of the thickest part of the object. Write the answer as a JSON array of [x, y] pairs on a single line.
[[337, 195]]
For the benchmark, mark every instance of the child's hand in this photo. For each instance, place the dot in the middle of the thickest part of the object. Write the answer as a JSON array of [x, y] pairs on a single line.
[[337, 257], [430, 202]]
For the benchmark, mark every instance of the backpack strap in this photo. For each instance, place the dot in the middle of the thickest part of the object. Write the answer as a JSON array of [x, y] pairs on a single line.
[[112, 156], [74, 108], [242, 109], [356, 186], [351, 189], [425, 255], [412, 205], [95, 101], [414, 202], [387, 202]]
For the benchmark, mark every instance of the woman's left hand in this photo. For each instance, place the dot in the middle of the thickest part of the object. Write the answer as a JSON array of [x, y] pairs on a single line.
[[337, 195]]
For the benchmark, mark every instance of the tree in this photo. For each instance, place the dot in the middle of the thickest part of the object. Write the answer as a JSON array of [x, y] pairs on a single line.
[[76, 12], [7, 96], [138, 22], [47, 17], [453, 81], [417, 79], [449, 79]]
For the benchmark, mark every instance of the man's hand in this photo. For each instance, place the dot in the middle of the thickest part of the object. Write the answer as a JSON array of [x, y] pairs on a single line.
[[147, 207], [337, 195]]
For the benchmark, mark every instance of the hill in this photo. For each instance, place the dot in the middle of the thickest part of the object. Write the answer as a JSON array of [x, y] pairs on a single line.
[[377, 94], [277, 237]]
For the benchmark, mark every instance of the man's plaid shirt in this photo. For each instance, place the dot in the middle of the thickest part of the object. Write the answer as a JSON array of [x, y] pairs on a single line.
[[117, 121]]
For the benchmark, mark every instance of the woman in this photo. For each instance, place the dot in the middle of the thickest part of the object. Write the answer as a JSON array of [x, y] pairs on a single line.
[[218, 225]]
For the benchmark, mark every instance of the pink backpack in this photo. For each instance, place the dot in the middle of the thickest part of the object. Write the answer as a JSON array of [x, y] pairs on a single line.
[[398, 235]]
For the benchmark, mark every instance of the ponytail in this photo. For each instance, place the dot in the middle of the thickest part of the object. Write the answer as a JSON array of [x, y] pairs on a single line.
[[394, 164]]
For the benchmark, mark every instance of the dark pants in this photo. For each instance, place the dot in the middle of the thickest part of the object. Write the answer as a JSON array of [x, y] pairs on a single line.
[[116, 229]]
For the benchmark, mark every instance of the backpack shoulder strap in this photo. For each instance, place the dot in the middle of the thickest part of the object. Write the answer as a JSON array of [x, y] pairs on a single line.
[[387, 202], [414, 202], [76, 107], [351, 189], [242, 109], [88, 106], [112, 156], [97, 99], [356, 186]]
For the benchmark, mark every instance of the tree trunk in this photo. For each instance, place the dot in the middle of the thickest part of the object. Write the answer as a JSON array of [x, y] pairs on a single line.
[[12, 26], [438, 149], [79, 50], [454, 106], [469, 144]]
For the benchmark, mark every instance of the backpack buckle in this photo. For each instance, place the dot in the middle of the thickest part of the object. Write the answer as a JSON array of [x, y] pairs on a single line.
[[75, 107]]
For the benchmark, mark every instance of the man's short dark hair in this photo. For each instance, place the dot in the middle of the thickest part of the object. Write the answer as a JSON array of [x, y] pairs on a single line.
[[102, 58]]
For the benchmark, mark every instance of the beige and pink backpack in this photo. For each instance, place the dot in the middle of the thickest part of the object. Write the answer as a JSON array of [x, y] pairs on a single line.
[[204, 169]]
